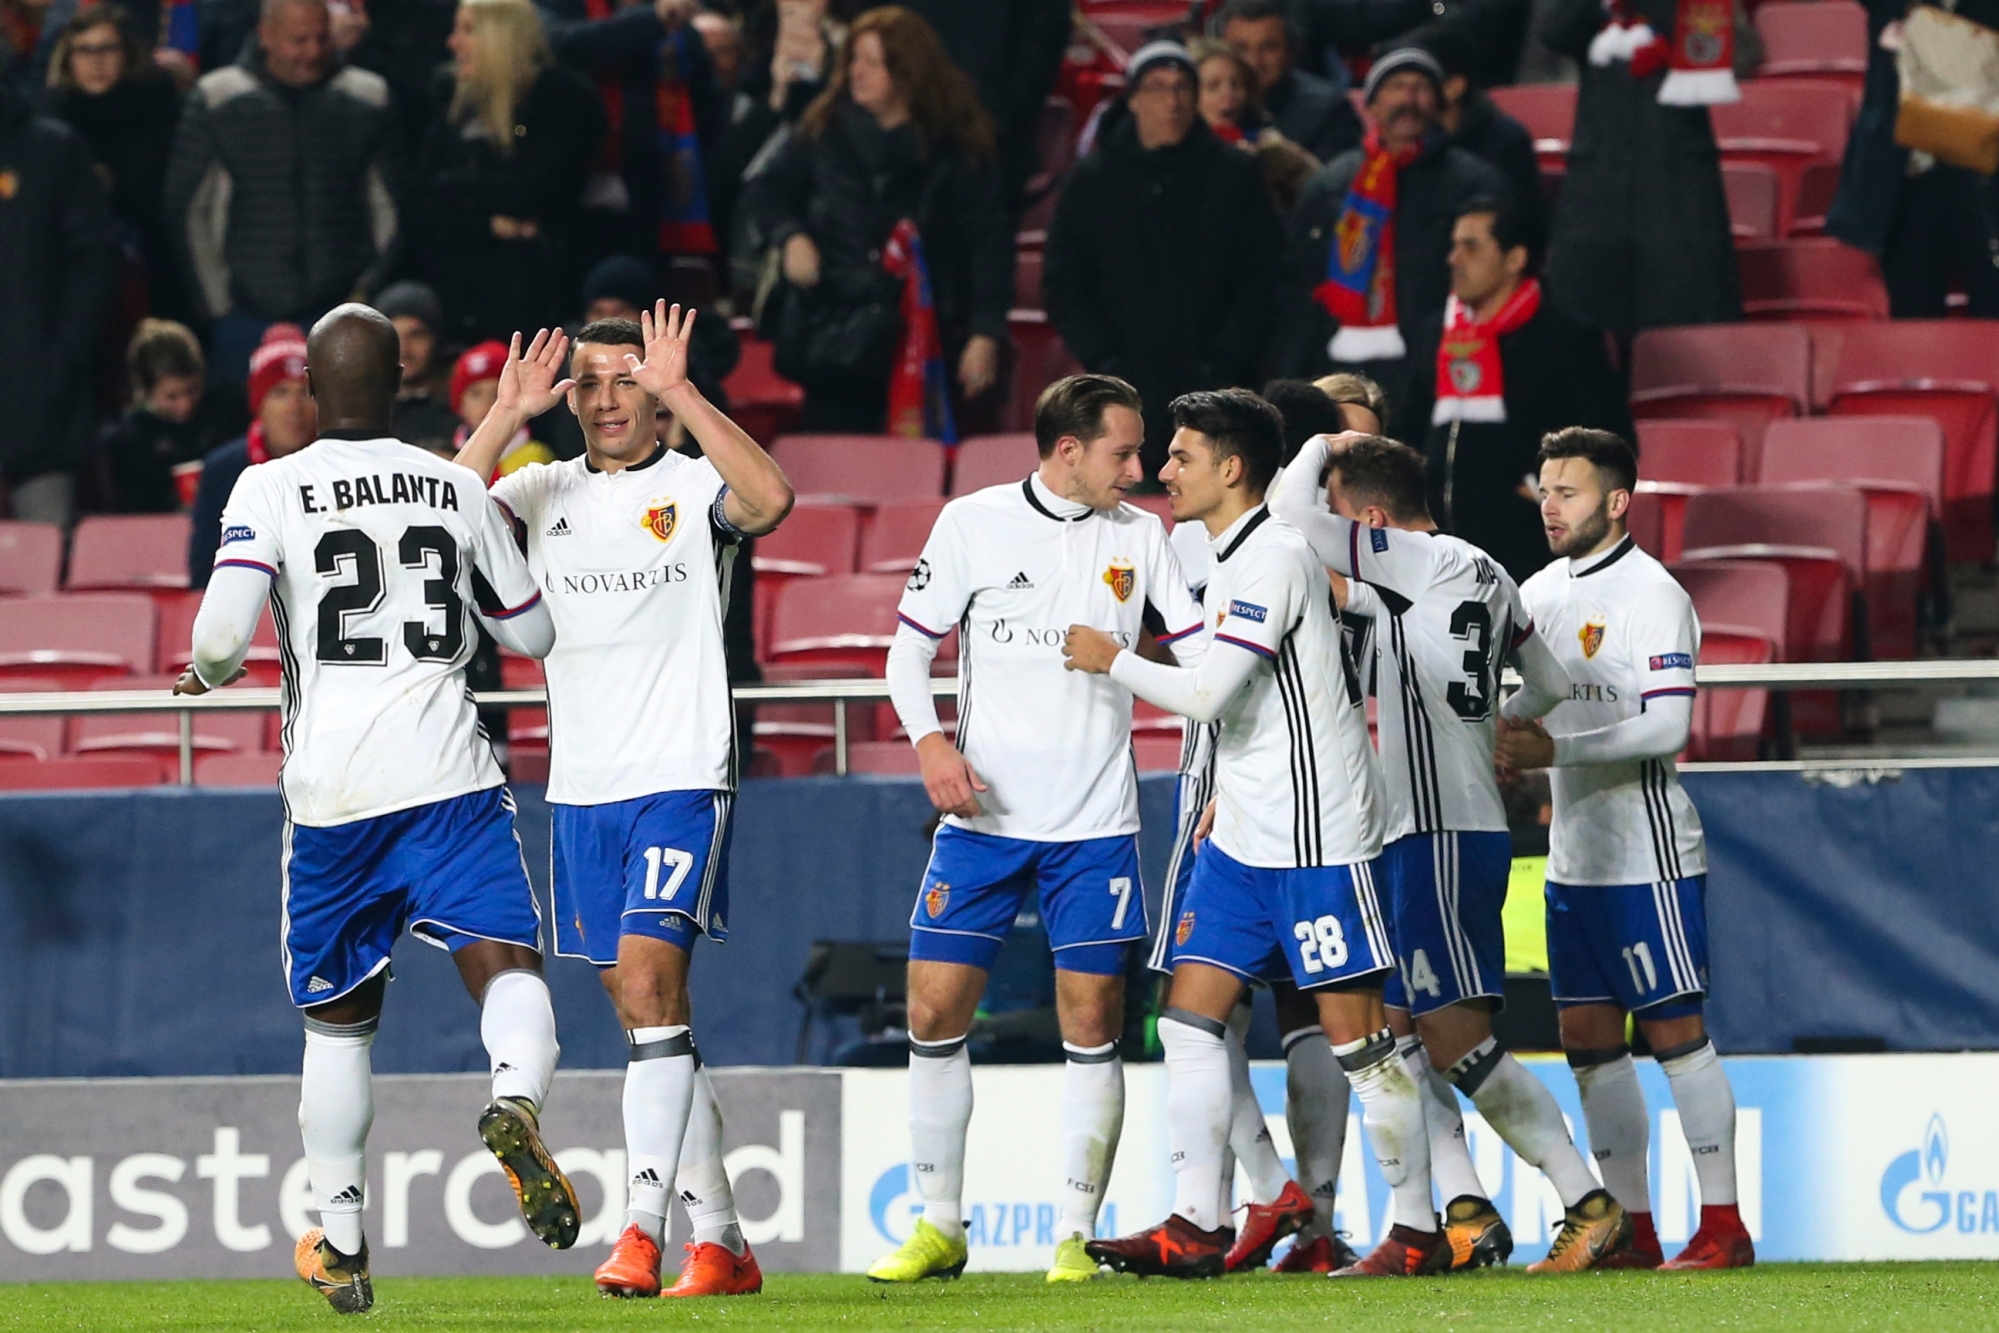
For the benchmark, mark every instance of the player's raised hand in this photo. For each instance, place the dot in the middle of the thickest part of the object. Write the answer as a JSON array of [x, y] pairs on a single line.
[[532, 382], [1086, 649], [948, 777], [666, 335]]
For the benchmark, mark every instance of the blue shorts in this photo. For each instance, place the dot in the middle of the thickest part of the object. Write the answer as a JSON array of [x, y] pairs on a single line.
[[1092, 899], [1446, 892], [655, 865], [1632, 945], [451, 872], [1323, 923]]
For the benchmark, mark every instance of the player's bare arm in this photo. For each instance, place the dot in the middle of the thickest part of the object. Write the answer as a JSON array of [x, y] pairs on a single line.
[[531, 383], [759, 496], [948, 777]]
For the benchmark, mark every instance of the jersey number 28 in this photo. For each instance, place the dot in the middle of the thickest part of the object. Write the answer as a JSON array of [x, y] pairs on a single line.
[[349, 553]]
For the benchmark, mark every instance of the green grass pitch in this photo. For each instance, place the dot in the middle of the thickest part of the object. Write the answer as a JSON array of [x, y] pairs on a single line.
[[1918, 1297]]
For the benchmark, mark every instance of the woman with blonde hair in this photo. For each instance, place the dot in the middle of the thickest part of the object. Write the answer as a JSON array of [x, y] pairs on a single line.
[[1230, 103], [502, 173], [897, 134]]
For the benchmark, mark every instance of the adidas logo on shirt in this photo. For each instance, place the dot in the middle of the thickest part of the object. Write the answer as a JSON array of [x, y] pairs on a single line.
[[560, 528], [316, 985], [1020, 582]]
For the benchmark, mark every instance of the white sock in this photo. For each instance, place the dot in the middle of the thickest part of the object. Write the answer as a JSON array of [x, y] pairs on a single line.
[[336, 1106], [517, 1023], [1707, 1117], [1392, 1112], [1523, 1111], [1249, 1132], [1092, 1120], [659, 1090], [702, 1182], [1316, 1093], [1197, 1113], [1444, 1120], [1620, 1130], [940, 1111]]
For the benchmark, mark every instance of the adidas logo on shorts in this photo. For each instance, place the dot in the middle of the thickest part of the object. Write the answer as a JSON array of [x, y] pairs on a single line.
[[561, 528], [1020, 582], [316, 985]]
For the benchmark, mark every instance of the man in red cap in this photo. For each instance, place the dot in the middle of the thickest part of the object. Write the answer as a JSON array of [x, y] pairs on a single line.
[[475, 382], [282, 421]]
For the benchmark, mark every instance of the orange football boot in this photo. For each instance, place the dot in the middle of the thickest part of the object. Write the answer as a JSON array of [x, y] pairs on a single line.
[[711, 1270], [633, 1268]]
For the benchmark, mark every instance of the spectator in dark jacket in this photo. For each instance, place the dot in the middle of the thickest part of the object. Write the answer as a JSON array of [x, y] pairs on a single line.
[[1431, 180], [501, 176], [1499, 28], [1472, 121], [55, 290], [103, 86], [1494, 372], [284, 191], [1641, 235], [898, 133], [171, 423], [423, 403], [1011, 50], [283, 421], [1162, 258], [1311, 112]]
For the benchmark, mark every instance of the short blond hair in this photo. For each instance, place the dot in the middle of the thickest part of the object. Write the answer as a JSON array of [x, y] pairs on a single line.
[[1347, 387]]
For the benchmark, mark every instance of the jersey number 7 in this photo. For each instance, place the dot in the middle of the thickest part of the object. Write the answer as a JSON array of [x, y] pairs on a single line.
[[351, 553]]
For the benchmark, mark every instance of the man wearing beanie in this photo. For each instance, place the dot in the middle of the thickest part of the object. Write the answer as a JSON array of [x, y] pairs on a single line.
[[423, 413], [282, 421], [1365, 262], [1162, 257]]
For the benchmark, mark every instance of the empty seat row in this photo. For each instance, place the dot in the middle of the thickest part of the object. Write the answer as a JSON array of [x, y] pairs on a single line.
[[107, 551]]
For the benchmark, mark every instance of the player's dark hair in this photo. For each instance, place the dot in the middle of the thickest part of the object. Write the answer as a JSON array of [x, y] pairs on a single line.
[[1512, 226], [1306, 412], [1380, 471], [1609, 453], [612, 333], [1076, 406], [1239, 425]]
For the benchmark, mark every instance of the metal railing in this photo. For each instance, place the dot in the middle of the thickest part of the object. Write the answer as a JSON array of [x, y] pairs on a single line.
[[840, 693]]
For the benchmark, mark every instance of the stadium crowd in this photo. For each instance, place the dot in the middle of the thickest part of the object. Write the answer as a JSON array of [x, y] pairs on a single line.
[[1261, 189]]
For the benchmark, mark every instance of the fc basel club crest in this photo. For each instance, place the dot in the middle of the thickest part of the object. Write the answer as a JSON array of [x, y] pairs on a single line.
[[1592, 636], [1184, 929], [660, 519], [1122, 579], [935, 898]]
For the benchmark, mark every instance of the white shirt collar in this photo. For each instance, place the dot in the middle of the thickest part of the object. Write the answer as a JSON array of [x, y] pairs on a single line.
[[1053, 503], [1220, 544]]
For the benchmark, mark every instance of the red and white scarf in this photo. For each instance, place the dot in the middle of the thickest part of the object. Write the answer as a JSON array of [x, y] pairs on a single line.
[[1359, 286], [1471, 377], [1699, 61]]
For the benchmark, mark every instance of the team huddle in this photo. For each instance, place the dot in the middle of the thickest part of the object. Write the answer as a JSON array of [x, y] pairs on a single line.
[[1363, 888]]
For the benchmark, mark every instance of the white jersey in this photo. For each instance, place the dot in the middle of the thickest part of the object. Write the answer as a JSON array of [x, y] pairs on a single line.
[[1012, 567], [1296, 779], [1446, 614], [635, 565], [1197, 739], [379, 552], [1625, 632]]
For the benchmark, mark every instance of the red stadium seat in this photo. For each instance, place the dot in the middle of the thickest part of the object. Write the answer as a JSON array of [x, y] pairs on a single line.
[[1040, 359], [846, 620], [862, 469], [1751, 374], [129, 551], [1947, 370], [1816, 188], [1156, 752], [1817, 279], [993, 460], [1753, 196], [1729, 722], [159, 733], [1155, 504], [813, 541], [895, 536], [1027, 279], [77, 639], [1054, 145], [1821, 40], [1145, 718], [796, 733], [93, 772], [237, 770], [31, 557], [761, 401], [1786, 125], [1897, 462], [1657, 516], [30, 735], [176, 639], [1693, 453], [1548, 110], [1751, 595], [525, 726], [883, 758]]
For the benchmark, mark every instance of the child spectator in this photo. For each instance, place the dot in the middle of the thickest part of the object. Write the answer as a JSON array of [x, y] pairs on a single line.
[[475, 382], [154, 450]]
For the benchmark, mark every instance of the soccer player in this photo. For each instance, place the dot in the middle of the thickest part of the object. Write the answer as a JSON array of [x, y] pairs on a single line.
[[1289, 868], [1627, 864], [1447, 616], [1039, 792], [633, 544], [374, 557]]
